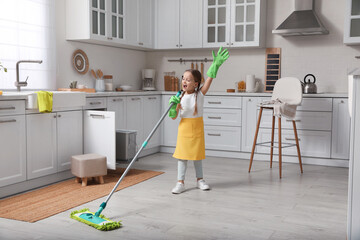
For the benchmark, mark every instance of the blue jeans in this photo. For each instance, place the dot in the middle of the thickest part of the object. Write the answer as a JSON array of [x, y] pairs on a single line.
[[182, 165]]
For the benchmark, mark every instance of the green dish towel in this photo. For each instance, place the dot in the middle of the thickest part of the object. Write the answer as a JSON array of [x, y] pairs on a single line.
[[45, 101]]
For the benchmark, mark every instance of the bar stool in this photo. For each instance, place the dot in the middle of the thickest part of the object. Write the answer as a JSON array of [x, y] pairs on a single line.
[[286, 91]]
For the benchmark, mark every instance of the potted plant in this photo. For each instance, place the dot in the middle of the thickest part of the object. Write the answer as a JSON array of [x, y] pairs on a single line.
[[2, 67]]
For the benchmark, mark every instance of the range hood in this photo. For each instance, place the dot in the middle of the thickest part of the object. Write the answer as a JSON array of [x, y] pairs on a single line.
[[303, 21]]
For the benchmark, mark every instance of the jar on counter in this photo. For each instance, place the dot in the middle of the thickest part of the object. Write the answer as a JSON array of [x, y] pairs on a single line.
[[108, 83]]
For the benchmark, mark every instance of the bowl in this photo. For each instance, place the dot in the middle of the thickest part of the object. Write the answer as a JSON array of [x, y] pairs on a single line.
[[125, 87]]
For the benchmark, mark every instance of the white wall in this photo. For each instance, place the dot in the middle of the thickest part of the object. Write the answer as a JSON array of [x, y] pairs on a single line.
[[324, 56], [125, 65]]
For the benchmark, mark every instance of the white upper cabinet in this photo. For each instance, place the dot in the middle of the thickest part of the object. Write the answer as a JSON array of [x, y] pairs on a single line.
[[178, 24], [352, 22], [95, 20], [140, 22], [234, 23]]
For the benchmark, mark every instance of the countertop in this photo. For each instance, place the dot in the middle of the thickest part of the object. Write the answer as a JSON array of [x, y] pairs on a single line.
[[6, 96]]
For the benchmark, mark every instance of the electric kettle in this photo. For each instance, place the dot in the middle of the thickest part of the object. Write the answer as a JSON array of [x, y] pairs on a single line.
[[309, 85]]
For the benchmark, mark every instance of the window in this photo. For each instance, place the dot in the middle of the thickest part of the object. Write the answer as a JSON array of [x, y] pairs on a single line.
[[27, 32]]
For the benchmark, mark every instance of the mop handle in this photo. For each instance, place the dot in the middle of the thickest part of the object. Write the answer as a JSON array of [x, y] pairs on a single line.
[[103, 205]]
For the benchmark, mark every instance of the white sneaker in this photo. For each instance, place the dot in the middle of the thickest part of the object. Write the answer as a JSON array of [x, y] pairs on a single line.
[[203, 185], [179, 188]]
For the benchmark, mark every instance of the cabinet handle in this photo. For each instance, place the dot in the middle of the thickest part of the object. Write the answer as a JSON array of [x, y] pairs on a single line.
[[292, 139], [151, 97], [97, 115], [117, 100], [297, 120], [59, 115], [7, 108], [95, 103], [342, 101], [54, 116], [214, 117], [110, 38], [140, 43], [135, 99], [8, 121], [177, 45], [180, 45], [231, 43], [214, 134], [250, 100], [214, 102]]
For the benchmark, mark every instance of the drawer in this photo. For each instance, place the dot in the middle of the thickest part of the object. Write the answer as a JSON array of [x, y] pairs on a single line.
[[222, 117], [222, 138], [304, 120], [95, 103], [310, 104], [12, 107], [222, 102], [316, 104], [312, 143]]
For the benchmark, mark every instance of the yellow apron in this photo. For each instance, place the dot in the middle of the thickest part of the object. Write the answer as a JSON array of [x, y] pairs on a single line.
[[190, 143]]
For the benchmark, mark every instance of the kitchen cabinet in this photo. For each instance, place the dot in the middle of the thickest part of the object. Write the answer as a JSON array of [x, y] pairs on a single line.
[[352, 22], [151, 111], [340, 129], [178, 24], [140, 22], [12, 142], [222, 123], [52, 138], [169, 126], [118, 106], [314, 125], [69, 137], [235, 23], [249, 120], [96, 21], [134, 117]]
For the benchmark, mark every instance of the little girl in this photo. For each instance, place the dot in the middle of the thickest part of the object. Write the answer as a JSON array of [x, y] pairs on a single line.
[[190, 140]]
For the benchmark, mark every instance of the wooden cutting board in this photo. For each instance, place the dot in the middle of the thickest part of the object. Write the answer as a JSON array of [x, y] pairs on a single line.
[[89, 90]]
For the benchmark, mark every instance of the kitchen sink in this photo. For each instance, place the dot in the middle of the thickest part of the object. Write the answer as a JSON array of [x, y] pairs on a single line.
[[61, 99]]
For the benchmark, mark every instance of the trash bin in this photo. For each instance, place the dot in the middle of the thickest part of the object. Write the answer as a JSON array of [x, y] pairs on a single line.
[[125, 144]]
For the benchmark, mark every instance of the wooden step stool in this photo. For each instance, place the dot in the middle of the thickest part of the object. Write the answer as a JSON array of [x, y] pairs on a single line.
[[86, 166]]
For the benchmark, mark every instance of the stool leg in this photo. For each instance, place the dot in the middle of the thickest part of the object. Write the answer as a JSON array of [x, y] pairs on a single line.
[[279, 128], [272, 141], [84, 182], [77, 180], [255, 138], [297, 145], [101, 179]]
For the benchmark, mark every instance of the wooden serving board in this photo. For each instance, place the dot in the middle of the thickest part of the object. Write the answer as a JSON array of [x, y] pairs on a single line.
[[89, 90]]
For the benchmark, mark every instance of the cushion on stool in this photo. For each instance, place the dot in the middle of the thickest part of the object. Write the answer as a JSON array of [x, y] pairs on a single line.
[[88, 165]]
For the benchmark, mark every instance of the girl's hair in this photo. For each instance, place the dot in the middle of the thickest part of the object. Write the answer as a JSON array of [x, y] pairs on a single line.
[[197, 77]]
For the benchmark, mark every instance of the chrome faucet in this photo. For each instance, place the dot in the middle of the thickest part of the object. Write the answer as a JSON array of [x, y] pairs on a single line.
[[19, 84]]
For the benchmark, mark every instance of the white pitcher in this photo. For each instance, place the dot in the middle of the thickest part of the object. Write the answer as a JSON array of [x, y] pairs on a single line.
[[251, 83]]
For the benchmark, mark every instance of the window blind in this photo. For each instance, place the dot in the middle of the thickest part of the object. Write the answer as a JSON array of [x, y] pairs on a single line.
[[27, 32]]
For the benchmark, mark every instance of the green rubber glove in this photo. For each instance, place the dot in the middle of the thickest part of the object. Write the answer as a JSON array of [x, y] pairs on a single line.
[[218, 60], [176, 101]]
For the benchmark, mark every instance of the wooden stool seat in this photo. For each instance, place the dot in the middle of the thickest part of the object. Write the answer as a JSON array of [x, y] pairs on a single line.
[[88, 166]]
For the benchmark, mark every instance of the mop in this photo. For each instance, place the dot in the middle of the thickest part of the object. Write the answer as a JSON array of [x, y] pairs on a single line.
[[99, 221]]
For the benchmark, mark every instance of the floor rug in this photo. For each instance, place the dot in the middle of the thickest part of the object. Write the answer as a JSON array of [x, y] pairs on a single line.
[[56, 198]]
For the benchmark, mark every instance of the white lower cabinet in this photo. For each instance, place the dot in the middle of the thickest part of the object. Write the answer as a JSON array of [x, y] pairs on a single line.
[[134, 116], [118, 106], [312, 143], [169, 126], [340, 129], [222, 138], [249, 120], [12, 149], [69, 137], [151, 115], [52, 138], [41, 144]]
